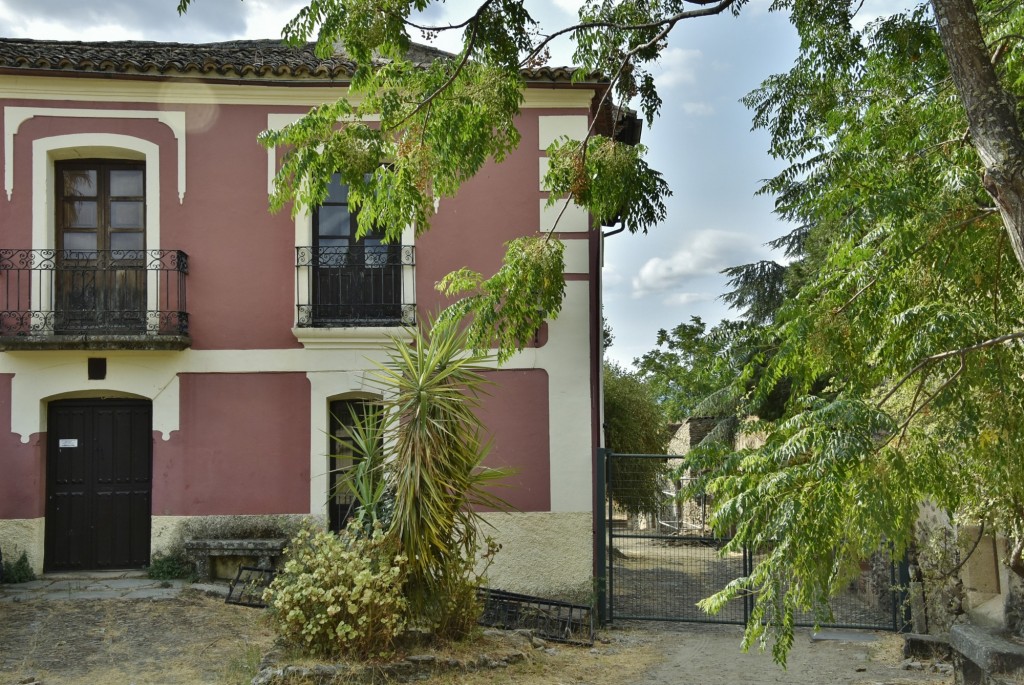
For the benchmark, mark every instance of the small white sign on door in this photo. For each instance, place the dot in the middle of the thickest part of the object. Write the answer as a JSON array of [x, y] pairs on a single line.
[[68, 442]]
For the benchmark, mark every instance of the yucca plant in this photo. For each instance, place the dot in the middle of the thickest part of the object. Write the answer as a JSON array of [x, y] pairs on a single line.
[[432, 470]]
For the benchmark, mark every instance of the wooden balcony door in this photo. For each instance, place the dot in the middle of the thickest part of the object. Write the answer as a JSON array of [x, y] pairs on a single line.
[[100, 284]]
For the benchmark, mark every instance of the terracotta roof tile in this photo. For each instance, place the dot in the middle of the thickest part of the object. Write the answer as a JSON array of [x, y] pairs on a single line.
[[229, 59]]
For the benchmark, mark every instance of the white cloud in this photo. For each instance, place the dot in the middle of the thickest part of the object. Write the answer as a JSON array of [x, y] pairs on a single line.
[[570, 6], [124, 20], [266, 18], [706, 253], [678, 66], [689, 298], [873, 10], [698, 109]]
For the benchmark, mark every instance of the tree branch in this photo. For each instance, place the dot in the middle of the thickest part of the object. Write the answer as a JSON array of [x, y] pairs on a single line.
[[990, 112], [961, 352], [712, 7]]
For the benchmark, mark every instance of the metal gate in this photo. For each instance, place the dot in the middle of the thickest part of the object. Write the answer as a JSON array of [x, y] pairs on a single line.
[[661, 556]]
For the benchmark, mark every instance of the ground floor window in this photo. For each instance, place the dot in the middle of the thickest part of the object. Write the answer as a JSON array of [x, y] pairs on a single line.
[[343, 415]]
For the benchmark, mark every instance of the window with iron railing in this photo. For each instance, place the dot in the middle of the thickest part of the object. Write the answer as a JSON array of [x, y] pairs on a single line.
[[88, 293], [348, 280]]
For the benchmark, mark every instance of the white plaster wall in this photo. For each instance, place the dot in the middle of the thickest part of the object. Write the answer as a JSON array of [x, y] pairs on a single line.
[[566, 357], [23, 535], [543, 554], [571, 218], [551, 128]]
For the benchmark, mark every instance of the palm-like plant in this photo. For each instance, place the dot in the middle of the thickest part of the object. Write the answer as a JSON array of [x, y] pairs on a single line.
[[433, 451]]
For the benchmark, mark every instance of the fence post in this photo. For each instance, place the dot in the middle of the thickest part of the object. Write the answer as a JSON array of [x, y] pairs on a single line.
[[901, 618], [748, 598], [600, 537]]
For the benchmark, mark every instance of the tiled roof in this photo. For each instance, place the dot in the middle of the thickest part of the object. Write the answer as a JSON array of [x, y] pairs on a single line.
[[229, 59]]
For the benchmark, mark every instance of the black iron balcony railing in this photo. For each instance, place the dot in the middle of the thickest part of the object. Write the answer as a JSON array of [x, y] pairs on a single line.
[[93, 298], [359, 285]]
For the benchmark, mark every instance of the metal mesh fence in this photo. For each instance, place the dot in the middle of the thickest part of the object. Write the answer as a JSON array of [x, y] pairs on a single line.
[[663, 558]]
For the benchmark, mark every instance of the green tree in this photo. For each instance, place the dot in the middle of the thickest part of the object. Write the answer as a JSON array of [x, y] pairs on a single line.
[[907, 178], [908, 304], [691, 364], [634, 424]]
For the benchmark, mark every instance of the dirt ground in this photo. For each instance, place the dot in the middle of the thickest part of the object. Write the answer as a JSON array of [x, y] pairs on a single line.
[[191, 639], [197, 639]]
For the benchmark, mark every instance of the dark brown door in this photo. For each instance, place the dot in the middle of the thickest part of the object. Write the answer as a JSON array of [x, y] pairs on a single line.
[[101, 240], [98, 484]]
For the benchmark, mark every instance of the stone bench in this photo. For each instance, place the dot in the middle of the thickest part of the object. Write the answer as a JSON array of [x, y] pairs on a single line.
[[201, 552]]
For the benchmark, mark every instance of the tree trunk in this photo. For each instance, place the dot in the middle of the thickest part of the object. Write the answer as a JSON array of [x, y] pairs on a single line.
[[990, 113]]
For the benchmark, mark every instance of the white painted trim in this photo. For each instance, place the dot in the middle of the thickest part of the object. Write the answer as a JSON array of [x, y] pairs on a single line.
[[336, 338], [274, 122], [324, 387], [332, 372], [551, 128], [45, 151], [573, 219], [242, 92], [566, 358], [278, 120], [154, 377], [14, 117], [362, 338], [577, 256]]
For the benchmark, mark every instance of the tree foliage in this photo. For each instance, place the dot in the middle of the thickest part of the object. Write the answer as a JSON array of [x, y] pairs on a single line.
[[898, 344], [634, 423], [437, 123], [890, 347], [691, 364]]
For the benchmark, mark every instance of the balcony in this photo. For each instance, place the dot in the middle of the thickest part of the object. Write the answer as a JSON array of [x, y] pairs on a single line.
[[93, 300], [355, 286]]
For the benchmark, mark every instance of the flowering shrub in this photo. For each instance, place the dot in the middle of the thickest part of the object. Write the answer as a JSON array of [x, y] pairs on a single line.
[[340, 595]]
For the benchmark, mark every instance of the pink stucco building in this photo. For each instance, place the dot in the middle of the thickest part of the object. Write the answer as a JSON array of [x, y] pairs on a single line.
[[171, 349]]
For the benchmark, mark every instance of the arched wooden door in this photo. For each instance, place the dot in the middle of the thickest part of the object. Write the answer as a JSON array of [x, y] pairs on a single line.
[[98, 484]]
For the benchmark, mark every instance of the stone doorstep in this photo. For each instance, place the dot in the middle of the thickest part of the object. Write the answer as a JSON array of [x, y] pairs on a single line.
[[95, 575], [987, 649]]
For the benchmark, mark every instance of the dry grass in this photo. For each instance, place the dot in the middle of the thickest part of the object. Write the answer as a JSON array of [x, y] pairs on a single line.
[[197, 639], [558, 661], [193, 639]]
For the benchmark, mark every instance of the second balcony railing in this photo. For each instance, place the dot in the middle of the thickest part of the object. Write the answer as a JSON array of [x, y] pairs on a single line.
[[115, 298]]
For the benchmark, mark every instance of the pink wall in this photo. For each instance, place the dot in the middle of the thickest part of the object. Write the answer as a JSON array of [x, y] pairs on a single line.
[[499, 203], [243, 447], [515, 410], [241, 257], [22, 466]]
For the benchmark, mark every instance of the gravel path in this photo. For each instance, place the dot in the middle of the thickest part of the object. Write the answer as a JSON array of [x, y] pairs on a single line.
[[703, 654]]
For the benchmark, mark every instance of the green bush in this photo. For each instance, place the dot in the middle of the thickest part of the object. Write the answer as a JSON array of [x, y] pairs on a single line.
[[18, 571], [340, 595], [169, 566]]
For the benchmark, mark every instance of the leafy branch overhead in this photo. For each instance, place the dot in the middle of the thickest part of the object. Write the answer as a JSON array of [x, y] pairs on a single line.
[[882, 359], [417, 123], [510, 307]]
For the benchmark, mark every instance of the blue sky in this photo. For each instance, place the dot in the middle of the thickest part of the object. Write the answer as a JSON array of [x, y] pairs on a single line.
[[702, 141]]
